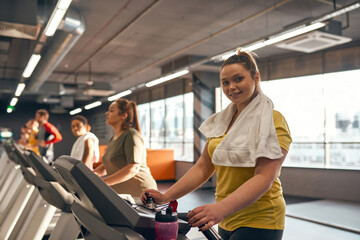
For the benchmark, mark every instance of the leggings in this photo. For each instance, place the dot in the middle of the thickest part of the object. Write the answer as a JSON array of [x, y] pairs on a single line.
[[247, 233]]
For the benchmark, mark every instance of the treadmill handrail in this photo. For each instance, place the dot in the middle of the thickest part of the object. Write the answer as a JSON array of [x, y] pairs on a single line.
[[89, 191]]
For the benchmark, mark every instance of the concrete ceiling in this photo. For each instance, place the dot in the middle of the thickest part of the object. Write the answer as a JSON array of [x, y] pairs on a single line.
[[128, 42]]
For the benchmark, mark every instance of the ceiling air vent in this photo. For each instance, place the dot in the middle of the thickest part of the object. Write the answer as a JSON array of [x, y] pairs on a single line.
[[313, 41], [100, 89]]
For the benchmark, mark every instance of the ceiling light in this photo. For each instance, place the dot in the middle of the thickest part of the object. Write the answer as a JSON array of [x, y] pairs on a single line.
[[294, 32], [338, 12], [63, 4], [13, 101], [19, 89], [316, 24], [274, 39], [225, 56], [167, 78], [10, 109], [75, 111], [284, 35], [255, 46], [34, 59], [119, 95], [6, 133], [92, 105], [56, 17]]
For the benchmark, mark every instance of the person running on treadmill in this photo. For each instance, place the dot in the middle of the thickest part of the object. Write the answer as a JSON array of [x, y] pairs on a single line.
[[86, 146], [123, 164], [247, 144], [47, 135]]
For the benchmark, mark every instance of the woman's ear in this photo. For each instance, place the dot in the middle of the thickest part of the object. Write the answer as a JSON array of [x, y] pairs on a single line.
[[257, 77], [123, 116]]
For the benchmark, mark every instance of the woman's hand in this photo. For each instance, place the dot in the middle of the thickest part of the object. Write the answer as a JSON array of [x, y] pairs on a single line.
[[100, 170], [207, 215], [156, 195]]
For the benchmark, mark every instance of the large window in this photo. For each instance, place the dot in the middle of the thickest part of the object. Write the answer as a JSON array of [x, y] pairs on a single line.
[[168, 123], [157, 126], [323, 114], [144, 121]]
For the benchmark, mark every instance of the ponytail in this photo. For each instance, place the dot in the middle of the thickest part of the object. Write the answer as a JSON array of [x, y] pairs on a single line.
[[129, 107], [135, 122]]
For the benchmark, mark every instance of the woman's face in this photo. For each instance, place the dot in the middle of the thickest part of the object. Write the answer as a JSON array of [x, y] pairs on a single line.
[[113, 116], [31, 124], [237, 84], [78, 128]]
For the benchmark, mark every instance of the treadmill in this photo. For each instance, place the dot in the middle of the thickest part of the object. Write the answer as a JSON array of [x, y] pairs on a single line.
[[50, 186], [54, 190], [100, 212]]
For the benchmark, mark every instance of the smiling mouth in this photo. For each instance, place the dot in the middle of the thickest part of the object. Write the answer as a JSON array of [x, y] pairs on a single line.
[[235, 94]]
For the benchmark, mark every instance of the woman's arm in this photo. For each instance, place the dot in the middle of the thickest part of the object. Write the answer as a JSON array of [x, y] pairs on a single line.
[[194, 178], [122, 175], [89, 153], [100, 170], [266, 171]]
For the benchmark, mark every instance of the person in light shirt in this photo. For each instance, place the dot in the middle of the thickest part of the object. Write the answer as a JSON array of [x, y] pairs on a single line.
[[86, 146]]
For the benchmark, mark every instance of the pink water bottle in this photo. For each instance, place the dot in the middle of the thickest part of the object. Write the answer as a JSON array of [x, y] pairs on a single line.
[[166, 225]]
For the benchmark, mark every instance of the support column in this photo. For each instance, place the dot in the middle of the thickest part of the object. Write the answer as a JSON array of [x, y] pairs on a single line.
[[204, 84]]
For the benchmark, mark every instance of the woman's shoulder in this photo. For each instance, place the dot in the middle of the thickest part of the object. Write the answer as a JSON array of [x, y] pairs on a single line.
[[277, 114], [132, 131], [91, 135], [278, 117], [280, 121]]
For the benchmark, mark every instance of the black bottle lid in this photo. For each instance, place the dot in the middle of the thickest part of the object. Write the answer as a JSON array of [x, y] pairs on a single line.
[[166, 216]]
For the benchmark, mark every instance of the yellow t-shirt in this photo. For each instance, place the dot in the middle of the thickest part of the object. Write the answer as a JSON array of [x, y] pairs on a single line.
[[269, 211], [33, 142]]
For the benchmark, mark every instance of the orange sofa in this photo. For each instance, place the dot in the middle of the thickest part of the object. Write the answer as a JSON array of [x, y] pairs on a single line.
[[160, 161]]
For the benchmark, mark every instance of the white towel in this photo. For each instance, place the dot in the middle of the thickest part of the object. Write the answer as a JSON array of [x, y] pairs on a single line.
[[252, 135], [78, 148]]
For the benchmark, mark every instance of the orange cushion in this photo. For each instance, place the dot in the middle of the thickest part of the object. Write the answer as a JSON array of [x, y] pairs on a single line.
[[161, 163], [102, 149]]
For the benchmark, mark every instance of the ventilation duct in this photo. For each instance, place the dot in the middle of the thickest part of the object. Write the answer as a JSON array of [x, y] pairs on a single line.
[[17, 30], [100, 89], [59, 45], [18, 19]]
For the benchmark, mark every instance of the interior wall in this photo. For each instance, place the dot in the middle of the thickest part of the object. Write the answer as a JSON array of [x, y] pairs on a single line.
[[321, 183]]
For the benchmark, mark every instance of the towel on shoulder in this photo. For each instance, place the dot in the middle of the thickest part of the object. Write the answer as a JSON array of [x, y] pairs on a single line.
[[252, 135]]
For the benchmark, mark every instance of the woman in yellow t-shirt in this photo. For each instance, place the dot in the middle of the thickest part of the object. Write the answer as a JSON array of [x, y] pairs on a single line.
[[247, 144], [33, 127]]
